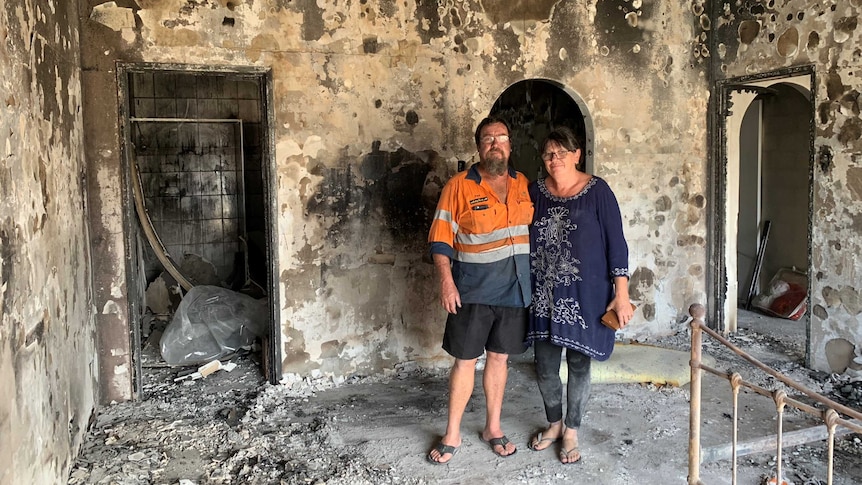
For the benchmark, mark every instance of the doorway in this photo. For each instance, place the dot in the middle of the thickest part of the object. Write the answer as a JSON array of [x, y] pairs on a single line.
[[198, 168], [533, 108], [763, 182]]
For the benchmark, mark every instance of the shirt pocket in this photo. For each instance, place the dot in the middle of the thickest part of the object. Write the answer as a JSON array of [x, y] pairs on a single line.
[[480, 219]]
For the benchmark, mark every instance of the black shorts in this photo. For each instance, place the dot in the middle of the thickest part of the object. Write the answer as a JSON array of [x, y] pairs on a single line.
[[476, 328]]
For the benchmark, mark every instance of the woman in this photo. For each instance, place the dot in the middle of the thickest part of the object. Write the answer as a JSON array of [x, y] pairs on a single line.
[[579, 266]]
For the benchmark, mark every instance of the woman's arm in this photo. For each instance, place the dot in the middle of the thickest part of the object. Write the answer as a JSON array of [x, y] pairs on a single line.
[[621, 303]]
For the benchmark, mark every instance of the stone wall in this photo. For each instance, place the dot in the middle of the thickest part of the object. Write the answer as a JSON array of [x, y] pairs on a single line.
[[47, 337]]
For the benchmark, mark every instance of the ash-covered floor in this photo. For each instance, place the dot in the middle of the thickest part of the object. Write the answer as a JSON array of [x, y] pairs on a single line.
[[233, 428]]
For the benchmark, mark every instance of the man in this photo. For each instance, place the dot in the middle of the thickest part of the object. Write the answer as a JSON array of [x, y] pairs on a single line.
[[481, 249]]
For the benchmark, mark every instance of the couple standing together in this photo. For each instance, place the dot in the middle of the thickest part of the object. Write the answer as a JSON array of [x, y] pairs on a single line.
[[527, 263]]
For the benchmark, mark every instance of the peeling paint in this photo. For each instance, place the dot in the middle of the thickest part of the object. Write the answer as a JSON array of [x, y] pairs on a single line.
[[840, 354], [788, 42], [114, 17], [111, 307]]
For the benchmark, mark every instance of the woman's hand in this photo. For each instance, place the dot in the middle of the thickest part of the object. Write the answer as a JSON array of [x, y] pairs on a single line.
[[621, 303], [623, 308]]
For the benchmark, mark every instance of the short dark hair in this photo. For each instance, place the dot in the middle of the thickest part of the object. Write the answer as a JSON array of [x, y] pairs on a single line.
[[489, 120], [563, 136]]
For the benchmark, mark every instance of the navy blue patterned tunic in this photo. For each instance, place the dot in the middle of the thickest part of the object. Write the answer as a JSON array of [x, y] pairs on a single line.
[[577, 247]]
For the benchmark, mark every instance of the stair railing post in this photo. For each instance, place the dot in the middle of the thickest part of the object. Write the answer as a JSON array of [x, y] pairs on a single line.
[[697, 312]]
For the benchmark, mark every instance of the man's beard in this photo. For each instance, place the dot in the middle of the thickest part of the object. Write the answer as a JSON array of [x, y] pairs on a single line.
[[495, 165]]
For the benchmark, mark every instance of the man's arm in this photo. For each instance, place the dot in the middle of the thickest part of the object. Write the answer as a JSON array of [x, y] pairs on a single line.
[[449, 296]]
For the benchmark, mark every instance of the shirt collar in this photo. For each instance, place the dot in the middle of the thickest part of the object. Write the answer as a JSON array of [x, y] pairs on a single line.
[[473, 173]]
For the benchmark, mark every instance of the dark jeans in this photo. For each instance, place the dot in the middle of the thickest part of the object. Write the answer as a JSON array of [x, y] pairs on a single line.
[[548, 357]]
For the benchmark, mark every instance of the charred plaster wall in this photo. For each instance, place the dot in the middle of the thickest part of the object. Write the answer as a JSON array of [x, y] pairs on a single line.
[[374, 103], [47, 345], [761, 36]]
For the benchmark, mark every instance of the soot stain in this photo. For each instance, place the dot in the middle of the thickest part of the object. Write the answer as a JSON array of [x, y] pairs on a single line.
[[383, 190], [564, 34], [641, 282], [613, 28], [427, 10], [313, 25], [370, 45]]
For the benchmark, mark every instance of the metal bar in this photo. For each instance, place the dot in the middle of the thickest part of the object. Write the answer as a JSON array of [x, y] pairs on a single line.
[[779, 404], [830, 416], [698, 312], [762, 445], [831, 419], [187, 120], [735, 382], [817, 412], [150, 231], [758, 264], [243, 224], [789, 382]]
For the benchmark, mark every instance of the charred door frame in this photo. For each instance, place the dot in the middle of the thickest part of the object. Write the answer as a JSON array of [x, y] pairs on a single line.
[[716, 278], [130, 222]]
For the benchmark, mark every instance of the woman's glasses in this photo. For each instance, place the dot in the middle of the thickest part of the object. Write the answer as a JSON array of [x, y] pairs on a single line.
[[550, 155]]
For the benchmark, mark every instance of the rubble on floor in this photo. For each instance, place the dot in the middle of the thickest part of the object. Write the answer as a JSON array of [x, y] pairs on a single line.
[[233, 427], [225, 429]]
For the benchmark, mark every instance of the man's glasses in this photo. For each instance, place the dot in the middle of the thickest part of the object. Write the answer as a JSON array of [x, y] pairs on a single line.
[[550, 155], [487, 140]]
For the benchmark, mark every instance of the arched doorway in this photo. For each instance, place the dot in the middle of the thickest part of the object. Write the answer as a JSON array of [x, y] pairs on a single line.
[[534, 107], [763, 192]]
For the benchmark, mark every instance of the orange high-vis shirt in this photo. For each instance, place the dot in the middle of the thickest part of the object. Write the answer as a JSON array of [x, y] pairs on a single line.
[[487, 240]]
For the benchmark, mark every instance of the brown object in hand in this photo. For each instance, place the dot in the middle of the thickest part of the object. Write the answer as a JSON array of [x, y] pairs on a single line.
[[611, 320]]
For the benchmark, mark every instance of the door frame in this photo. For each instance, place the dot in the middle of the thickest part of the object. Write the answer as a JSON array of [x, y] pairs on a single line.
[[136, 287], [720, 304]]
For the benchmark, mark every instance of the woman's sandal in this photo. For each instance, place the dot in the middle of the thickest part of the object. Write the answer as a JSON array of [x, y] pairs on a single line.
[[538, 440], [567, 455]]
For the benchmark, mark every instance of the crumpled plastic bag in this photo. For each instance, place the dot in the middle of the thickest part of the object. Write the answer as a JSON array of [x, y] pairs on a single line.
[[212, 322]]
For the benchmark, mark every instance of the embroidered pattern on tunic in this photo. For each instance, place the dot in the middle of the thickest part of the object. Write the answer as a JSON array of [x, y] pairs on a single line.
[[568, 312], [557, 267]]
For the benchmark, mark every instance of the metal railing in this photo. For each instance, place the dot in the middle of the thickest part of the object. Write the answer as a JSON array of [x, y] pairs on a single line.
[[830, 413]]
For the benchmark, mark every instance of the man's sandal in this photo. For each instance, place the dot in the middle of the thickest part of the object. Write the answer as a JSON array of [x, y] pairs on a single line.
[[501, 442], [443, 450]]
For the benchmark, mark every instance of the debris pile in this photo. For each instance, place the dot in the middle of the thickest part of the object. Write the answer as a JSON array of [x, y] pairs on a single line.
[[227, 429]]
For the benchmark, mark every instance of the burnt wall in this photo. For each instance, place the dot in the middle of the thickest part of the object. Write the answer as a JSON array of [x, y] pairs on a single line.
[[47, 345], [755, 37], [373, 105]]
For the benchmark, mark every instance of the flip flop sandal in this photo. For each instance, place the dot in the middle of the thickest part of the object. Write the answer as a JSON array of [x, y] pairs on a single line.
[[538, 440], [501, 442], [442, 449], [567, 454]]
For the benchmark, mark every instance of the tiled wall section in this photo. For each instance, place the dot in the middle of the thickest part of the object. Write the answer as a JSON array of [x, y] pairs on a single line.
[[190, 170], [187, 95]]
